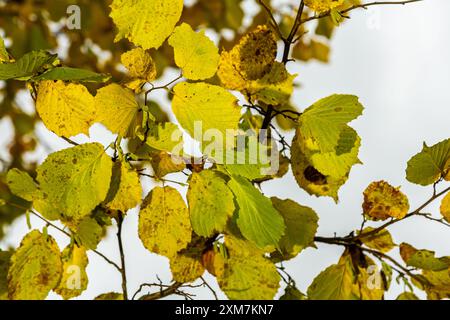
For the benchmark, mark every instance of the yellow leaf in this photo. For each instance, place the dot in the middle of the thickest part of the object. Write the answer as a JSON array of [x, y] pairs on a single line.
[[445, 207], [383, 201], [126, 191], [163, 163], [117, 109], [164, 226], [146, 23], [322, 6], [141, 68], [35, 268], [381, 241], [65, 109], [195, 53], [186, 265], [21, 184], [208, 106], [74, 278], [251, 59]]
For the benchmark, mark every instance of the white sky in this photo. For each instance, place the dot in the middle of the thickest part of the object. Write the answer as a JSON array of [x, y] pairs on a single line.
[[396, 59]]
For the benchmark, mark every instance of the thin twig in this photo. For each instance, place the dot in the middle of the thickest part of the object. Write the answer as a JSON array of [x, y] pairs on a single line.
[[210, 288], [272, 18], [163, 180], [359, 6], [123, 271]]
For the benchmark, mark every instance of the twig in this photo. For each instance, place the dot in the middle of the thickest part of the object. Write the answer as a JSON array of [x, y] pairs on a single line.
[[70, 141], [360, 6], [163, 180], [123, 271], [210, 288], [290, 39], [272, 18]]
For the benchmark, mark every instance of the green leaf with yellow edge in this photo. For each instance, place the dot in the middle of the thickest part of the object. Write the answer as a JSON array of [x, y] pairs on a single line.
[[383, 201], [321, 124], [322, 6], [141, 68], [118, 110], [146, 23], [445, 207], [21, 184], [186, 265], [5, 257], [164, 163], [65, 109], [35, 268], [89, 233], [247, 274], [301, 226], [27, 66], [209, 106], [164, 226], [423, 259], [407, 296], [164, 136], [438, 284], [195, 53], [125, 191], [111, 296], [73, 182], [74, 278], [71, 74], [210, 202], [257, 219], [381, 241], [430, 164]]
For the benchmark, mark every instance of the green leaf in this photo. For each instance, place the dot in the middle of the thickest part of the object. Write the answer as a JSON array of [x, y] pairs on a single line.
[[423, 259], [407, 296], [35, 268], [72, 74], [89, 233], [292, 293], [110, 296], [74, 181], [164, 136], [210, 202], [430, 164], [301, 226], [246, 274], [28, 66], [164, 226], [21, 184], [257, 219], [322, 123]]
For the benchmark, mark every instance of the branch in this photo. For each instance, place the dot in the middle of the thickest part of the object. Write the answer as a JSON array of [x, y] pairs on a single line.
[[272, 18], [290, 39], [360, 6], [123, 271]]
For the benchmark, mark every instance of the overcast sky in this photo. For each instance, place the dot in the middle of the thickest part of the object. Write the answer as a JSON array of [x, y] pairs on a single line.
[[396, 60]]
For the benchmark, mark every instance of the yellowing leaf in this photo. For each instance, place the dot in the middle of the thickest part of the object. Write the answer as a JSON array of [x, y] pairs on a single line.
[[141, 68], [383, 201], [74, 278], [35, 268], [146, 23], [164, 226], [5, 257], [210, 202], [112, 296], [21, 184], [117, 109], [430, 164], [445, 207], [89, 233], [251, 59], [423, 259], [247, 275], [381, 241], [438, 286], [322, 6], [301, 226], [257, 219], [407, 296], [186, 265], [65, 109], [207, 106], [163, 136], [73, 182], [163, 163], [126, 191], [195, 53]]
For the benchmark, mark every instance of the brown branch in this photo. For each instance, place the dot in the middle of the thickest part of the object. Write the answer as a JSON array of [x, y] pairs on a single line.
[[272, 19], [359, 6], [123, 271], [290, 39]]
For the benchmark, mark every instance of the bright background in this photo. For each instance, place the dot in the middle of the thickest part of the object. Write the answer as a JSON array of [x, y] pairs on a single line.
[[396, 60]]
